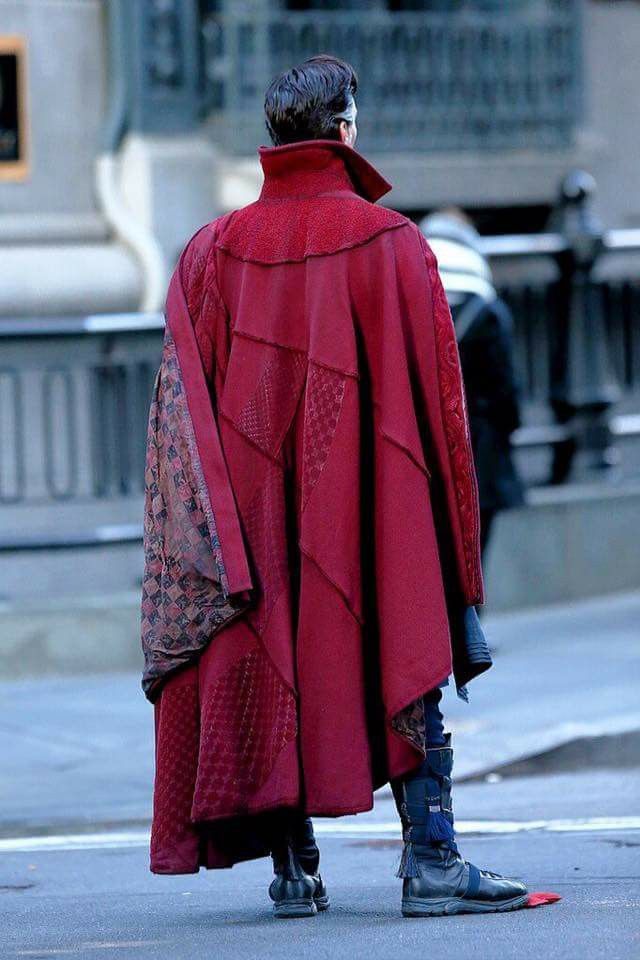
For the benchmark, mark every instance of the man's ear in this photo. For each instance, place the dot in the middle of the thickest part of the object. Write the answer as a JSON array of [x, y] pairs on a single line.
[[344, 131]]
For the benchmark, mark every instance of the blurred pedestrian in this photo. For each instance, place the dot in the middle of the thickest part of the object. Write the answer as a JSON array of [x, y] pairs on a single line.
[[311, 509], [484, 331]]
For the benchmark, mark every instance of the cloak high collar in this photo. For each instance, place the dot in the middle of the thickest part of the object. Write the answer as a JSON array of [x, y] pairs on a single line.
[[312, 167]]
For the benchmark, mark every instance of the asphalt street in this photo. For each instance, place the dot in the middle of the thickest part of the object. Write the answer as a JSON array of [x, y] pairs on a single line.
[[102, 903], [75, 791], [89, 894]]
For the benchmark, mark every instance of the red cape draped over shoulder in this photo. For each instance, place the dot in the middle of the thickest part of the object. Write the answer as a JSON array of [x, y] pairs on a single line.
[[311, 504]]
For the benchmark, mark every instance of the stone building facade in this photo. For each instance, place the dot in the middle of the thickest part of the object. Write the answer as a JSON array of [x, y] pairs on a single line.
[[143, 118]]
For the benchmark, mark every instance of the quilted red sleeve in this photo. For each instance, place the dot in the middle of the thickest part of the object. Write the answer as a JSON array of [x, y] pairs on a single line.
[[444, 405], [197, 274], [194, 311]]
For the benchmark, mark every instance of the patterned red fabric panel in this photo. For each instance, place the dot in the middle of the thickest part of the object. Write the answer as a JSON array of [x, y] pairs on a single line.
[[409, 723], [323, 403], [201, 294], [456, 428], [315, 227], [268, 414], [248, 718], [194, 280], [183, 590], [173, 836]]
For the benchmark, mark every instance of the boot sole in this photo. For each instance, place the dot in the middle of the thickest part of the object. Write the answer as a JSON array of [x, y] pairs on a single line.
[[452, 906], [295, 909]]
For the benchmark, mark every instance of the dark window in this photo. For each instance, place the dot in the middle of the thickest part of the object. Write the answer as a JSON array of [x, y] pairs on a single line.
[[9, 113]]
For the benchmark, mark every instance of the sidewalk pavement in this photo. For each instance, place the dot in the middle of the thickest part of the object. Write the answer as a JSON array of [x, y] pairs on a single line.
[[77, 751]]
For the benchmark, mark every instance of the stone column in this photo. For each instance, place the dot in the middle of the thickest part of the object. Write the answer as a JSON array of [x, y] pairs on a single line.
[[57, 252]]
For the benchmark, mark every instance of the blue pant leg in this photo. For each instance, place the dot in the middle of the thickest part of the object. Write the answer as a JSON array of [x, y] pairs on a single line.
[[433, 719]]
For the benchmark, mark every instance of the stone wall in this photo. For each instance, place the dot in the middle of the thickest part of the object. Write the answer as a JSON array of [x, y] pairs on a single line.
[[172, 184], [56, 253], [611, 113]]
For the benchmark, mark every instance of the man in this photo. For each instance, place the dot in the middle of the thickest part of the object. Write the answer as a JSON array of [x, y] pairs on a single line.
[[311, 532]]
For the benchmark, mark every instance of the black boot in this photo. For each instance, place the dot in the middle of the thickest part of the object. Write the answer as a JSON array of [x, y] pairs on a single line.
[[297, 889], [436, 880]]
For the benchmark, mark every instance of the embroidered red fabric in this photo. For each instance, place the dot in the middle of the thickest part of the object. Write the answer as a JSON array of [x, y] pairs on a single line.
[[337, 223], [456, 426], [174, 842], [329, 423], [247, 720], [185, 596]]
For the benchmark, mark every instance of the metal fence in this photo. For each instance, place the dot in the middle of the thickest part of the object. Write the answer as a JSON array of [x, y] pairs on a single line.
[[468, 77], [74, 401], [537, 313], [74, 393]]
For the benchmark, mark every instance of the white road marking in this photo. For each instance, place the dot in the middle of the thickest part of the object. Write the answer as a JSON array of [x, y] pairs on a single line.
[[579, 825], [140, 838], [81, 947], [75, 841]]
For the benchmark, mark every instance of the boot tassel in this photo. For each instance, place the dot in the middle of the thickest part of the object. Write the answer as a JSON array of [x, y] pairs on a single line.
[[408, 867], [439, 829]]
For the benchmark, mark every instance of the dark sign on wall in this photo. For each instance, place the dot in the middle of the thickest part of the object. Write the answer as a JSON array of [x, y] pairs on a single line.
[[13, 134]]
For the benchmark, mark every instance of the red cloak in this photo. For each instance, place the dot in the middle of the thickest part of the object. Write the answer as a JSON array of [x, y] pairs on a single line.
[[311, 504]]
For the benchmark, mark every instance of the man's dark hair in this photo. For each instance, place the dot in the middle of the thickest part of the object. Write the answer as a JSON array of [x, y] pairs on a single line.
[[305, 102]]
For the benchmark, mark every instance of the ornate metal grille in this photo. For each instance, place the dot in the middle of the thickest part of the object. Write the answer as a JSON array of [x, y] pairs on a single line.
[[490, 76]]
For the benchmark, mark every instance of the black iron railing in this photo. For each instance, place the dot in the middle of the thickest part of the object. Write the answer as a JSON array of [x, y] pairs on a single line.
[[578, 335], [74, 393]]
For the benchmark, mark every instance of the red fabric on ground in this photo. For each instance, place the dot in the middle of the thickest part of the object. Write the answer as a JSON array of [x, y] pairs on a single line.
[[329, 352], [540, 899]]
